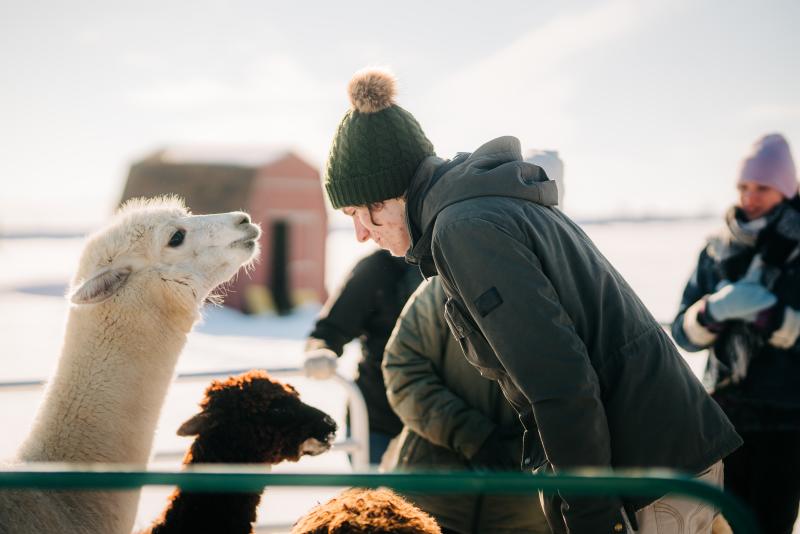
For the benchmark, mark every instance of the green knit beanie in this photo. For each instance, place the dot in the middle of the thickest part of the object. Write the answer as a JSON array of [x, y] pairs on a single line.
[[377, 147]]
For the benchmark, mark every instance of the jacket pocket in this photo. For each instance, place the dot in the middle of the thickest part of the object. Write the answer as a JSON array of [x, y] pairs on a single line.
[[417, 452], [474, 346]]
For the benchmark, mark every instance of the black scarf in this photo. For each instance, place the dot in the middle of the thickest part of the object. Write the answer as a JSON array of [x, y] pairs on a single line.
[[763, 245], [772, 237]]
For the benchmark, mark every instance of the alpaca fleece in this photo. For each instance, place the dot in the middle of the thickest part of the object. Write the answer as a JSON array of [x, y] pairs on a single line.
[[365, 511]]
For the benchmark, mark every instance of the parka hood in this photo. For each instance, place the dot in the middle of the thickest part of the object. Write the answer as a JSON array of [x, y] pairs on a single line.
[[496, 168]]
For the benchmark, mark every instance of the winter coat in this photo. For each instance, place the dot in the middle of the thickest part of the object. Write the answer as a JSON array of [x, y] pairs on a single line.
[[448, 411], [768, 398], [538, 308], [367, 307]]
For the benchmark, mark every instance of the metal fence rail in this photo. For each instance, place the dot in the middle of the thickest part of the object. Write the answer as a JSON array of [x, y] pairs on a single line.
[[357, 445], [233, 478]]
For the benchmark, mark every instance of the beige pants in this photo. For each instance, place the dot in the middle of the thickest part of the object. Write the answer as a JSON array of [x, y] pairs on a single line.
[[679, 515]]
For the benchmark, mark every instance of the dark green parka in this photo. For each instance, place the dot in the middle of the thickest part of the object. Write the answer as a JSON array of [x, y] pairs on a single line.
[[448, 411], [538, 308]]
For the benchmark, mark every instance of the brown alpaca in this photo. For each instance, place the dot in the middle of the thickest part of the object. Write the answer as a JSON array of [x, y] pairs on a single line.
[[245, 419], [365, 511]]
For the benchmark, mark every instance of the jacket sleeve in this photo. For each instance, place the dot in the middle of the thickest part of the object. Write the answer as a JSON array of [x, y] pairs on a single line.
[[412, 371], [344, 316], [687, 332], [536, 343]]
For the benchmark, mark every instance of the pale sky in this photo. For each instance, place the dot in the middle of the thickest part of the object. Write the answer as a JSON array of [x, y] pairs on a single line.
[[651, 104]]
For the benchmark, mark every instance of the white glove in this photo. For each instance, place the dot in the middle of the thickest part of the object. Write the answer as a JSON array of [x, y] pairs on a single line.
[[320, 364], [740, 300], [785, 336]]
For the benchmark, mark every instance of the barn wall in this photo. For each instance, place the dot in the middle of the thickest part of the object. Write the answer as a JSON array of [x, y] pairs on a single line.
[[289, 191], [286, 189]]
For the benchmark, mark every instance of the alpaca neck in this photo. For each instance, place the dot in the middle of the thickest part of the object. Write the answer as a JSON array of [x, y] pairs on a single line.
[[232, 513], [103, 403]]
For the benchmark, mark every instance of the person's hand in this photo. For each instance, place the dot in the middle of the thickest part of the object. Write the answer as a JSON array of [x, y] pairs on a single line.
[[740, 300], [320, 364], [493, 455], [786, 328]]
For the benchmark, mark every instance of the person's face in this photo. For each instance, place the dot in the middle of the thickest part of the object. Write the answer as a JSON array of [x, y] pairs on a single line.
[[757, 200], [384, 223]]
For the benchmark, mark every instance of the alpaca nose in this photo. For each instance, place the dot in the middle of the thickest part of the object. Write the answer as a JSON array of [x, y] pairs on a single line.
[[244, 219]]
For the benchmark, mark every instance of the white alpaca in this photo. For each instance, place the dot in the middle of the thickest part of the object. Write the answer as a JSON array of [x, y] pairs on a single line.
[[137, 293]]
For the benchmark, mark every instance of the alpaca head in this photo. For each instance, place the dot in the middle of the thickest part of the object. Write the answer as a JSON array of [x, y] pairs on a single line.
[[157, 246], [366, 511], [251, 418]]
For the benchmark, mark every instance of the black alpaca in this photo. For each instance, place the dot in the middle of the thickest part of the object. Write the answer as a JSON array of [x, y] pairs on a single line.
[[245, 419]]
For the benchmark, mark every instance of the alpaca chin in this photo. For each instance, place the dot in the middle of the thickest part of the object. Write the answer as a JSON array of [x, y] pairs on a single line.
[[313, 447]]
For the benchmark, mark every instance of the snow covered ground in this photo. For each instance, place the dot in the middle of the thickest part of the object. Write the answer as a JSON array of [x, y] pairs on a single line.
[[655, 257]]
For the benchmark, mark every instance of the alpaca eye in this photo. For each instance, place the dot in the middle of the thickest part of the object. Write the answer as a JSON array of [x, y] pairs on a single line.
[[177, 238]]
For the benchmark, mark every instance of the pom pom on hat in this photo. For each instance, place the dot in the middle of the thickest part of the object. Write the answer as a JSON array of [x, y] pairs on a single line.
[[372, 90]]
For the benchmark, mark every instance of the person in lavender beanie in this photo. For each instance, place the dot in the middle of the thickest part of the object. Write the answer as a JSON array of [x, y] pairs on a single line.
[[743, 304], [771, 164]]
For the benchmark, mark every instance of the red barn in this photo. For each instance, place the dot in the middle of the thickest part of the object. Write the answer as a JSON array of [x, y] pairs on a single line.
[[278, 188]]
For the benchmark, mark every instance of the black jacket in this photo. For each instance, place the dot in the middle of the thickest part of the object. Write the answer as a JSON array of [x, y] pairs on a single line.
[[538, 308], [367, 307]]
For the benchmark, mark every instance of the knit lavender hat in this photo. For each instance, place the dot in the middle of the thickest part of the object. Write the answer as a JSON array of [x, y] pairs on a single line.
[[770, 163]]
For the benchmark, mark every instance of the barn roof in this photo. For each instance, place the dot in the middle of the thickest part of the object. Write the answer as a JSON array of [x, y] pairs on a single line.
[[244, 156], [210, 178]]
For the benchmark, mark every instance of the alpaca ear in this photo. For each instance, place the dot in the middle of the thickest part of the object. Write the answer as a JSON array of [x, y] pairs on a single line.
[[196, 424], [101, 286]]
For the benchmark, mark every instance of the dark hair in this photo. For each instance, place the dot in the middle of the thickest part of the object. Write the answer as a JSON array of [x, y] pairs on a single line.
[[372, 205]]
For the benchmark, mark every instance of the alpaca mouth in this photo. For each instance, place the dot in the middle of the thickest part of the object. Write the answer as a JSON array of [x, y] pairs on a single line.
[[244, 243], [313, 446], [252, 233]]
